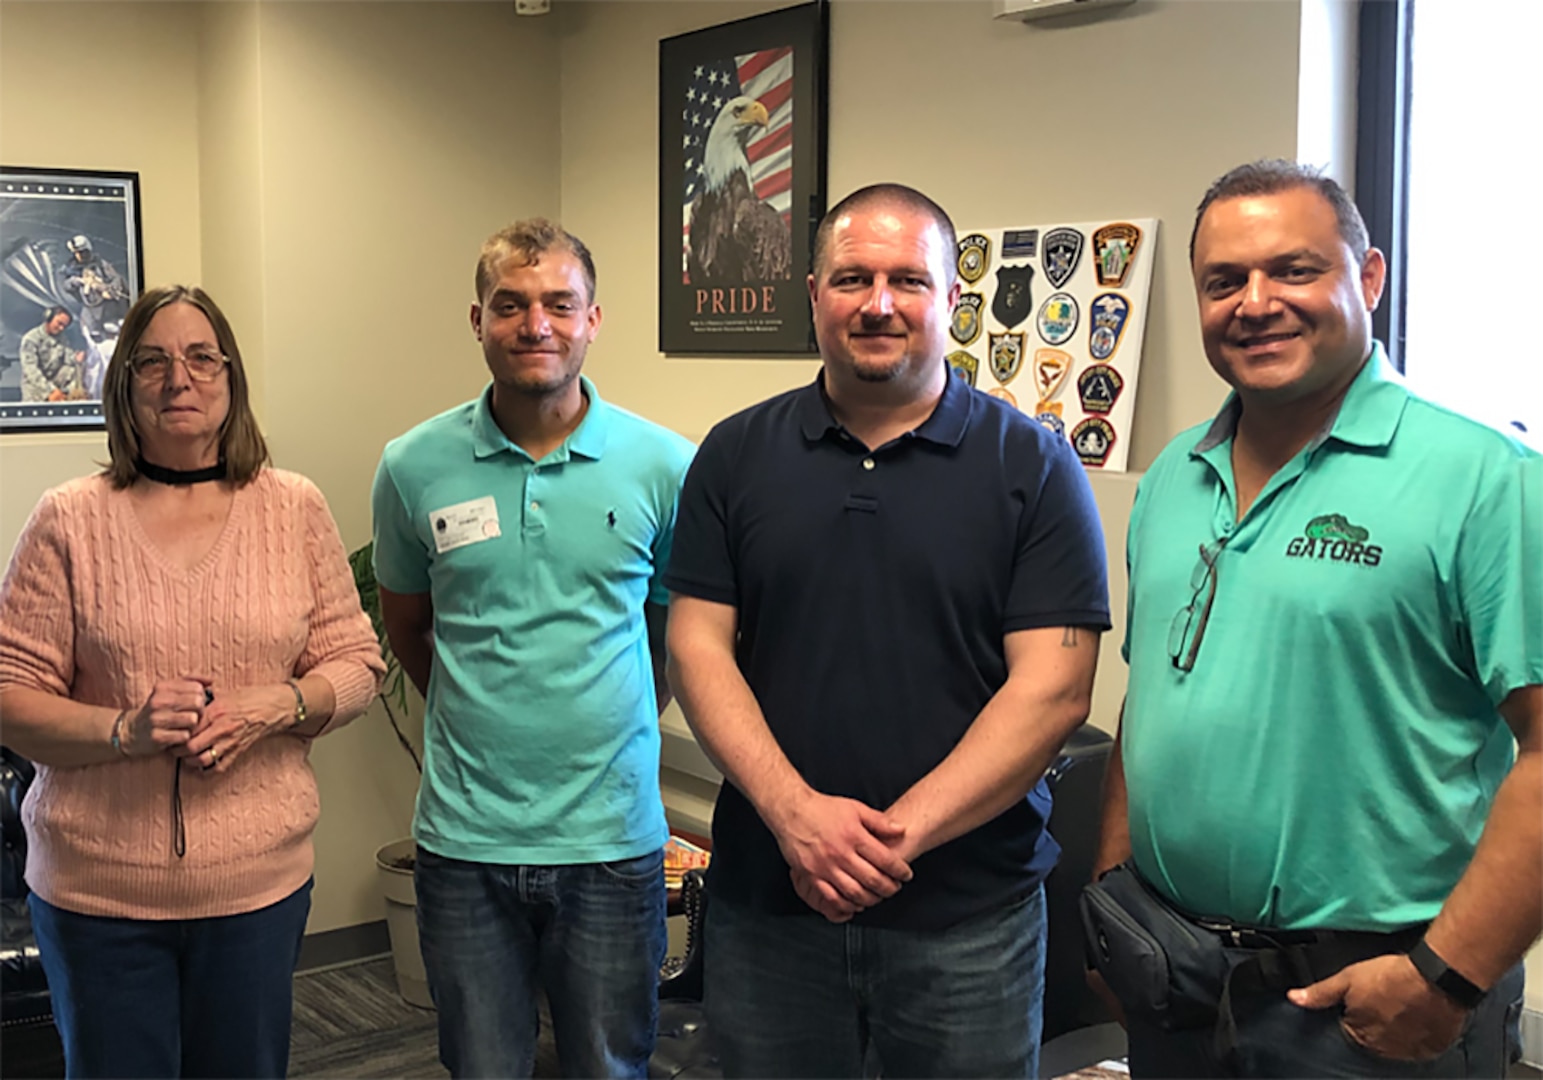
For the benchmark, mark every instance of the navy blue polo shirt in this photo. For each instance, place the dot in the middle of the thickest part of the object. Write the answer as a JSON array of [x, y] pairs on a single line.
[[873, 591]]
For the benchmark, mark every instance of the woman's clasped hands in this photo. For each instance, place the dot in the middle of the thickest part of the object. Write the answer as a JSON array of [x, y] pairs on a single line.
[[190, 720]]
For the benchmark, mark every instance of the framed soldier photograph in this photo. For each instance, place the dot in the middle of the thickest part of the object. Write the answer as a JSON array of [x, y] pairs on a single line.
[[742, 131], [71, 265]]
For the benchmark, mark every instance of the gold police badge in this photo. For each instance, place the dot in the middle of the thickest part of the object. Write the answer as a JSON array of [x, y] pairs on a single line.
[[1006, 356], [965, 325], [974, 257]]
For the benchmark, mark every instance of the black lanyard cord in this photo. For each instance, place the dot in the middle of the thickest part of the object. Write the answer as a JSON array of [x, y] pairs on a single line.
[[179, 836]]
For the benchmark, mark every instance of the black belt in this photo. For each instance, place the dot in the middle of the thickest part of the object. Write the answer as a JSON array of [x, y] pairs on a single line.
[[1286, 959], [1291, 958]]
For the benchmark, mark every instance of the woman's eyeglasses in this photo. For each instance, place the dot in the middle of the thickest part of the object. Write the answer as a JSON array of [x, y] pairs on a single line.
[[202, 364]]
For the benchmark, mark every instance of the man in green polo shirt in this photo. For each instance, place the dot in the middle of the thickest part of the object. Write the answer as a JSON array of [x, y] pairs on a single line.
[[519, 543], [1331, 752]]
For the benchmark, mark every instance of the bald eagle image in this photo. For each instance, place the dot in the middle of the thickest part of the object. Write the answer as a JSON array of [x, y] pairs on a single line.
[[735, 237]]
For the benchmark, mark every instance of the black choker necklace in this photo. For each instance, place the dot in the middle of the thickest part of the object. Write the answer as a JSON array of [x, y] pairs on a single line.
[[179, 477]]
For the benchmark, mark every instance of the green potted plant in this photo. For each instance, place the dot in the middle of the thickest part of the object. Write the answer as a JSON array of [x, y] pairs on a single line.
[[395, 860], [393, 689]]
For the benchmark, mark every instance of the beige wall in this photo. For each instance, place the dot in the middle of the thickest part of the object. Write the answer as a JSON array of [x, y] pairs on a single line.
[[230, 162], [147, 121]]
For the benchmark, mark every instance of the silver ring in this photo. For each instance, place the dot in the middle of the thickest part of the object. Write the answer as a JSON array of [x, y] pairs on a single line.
[[214, 756]]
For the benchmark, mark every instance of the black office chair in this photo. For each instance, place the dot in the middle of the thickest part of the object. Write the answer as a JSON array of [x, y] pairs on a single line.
[[26, 1011], [1079, 1030]]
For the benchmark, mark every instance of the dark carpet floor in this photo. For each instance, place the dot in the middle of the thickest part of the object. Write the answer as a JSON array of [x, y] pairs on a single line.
[[351, 1022]]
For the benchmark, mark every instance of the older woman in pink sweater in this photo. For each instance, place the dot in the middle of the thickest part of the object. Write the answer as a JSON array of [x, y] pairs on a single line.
[[174, 632]]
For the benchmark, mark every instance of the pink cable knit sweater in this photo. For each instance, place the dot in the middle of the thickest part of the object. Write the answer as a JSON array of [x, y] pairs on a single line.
[[91, 610]]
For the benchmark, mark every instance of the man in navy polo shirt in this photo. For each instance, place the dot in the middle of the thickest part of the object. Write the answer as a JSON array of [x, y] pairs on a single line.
[[887, 593]]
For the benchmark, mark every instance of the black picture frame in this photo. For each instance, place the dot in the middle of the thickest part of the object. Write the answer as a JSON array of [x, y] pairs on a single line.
[[742, 288], [44, 268]]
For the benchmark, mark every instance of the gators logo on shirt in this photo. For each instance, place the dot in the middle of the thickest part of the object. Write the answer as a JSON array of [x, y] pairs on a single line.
[[1333, 538]]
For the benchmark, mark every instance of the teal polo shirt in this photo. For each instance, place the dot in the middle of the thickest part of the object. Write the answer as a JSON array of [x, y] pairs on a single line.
[[1332, 756], [541, 734]]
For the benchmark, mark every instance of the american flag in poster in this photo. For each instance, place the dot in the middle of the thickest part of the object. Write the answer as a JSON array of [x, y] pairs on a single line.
[[765, 77]]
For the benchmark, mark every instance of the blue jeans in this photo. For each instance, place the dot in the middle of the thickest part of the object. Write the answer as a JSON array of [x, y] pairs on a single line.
[[797, 996], [591, 935], [1278, 1039], [180, 997]]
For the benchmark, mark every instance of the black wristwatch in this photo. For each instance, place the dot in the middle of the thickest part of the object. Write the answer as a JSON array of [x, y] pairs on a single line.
[[1436, 972]]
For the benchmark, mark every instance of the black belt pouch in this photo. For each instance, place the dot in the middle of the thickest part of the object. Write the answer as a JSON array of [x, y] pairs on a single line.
[[1163, 968]]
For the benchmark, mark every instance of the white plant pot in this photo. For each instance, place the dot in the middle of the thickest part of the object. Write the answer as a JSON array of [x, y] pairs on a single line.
[[402, 922]]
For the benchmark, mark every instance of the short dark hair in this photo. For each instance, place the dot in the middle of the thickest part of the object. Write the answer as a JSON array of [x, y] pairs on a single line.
[[1270, 176], [242, 447], [527, 241], [889, 195], [53, 311]]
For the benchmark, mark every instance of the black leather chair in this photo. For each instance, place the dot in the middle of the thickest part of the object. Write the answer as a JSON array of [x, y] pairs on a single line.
[[26, 1011], [1078, 1030]]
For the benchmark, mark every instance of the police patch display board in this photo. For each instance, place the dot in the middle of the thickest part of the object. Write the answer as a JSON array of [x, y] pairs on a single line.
[[1051, 319]]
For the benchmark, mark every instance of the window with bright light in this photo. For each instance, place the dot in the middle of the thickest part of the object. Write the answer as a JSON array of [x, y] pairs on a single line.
[[1473, 339]]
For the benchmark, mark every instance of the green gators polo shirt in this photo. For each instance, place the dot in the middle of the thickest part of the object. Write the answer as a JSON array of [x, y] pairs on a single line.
[[541, 730], [1331, 757]]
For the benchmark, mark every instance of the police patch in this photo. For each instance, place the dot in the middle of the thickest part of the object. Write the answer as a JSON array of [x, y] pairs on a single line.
[[1006, 356], [974, 257], [964, 365], [1051, 366], [1051, 422], [1093, 439], [964, 327], [1057, 320], [1061, 252], [1005, 394], [1012, 302], [1099, 388], [1114, 249], [1106, 324], [1019, 243]]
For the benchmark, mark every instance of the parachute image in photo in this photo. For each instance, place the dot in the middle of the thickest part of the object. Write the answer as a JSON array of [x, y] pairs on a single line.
[[35, 271]]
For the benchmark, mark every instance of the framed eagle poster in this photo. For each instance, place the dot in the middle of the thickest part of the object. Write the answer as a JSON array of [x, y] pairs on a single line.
[[741, 182]]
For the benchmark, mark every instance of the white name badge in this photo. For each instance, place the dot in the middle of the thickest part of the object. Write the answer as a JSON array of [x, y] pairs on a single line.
[[464, 523]]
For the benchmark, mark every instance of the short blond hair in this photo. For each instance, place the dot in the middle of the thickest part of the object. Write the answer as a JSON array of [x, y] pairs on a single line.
[[527, 241], [242, 447]]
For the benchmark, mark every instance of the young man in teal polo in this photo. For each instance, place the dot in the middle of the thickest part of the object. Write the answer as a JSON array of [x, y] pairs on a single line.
[[1331, 754], [519, 542]]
